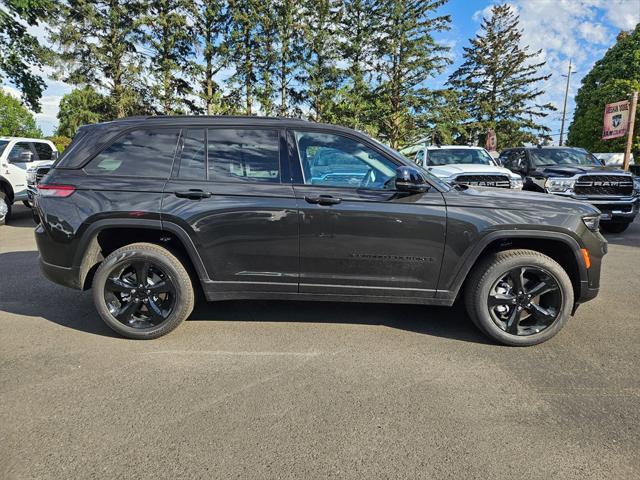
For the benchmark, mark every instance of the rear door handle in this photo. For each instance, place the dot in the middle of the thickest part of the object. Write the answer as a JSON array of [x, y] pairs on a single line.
[[193, 194], [322, 200]]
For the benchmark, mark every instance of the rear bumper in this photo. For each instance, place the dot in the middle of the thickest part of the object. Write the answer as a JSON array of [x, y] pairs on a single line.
[[66, 276]]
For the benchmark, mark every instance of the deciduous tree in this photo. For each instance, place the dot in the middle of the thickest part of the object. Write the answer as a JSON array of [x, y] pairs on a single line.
[[612, 78]]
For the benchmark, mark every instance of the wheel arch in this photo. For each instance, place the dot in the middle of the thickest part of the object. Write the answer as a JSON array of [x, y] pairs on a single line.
[[5, 185], [561, 247], [106, 236]]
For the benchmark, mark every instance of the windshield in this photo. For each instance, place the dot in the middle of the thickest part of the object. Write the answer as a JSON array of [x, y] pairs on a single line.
[[456, 156], [544, 157], [3, 145]]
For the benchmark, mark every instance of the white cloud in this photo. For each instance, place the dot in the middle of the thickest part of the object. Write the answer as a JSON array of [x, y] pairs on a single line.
[[563, 30]]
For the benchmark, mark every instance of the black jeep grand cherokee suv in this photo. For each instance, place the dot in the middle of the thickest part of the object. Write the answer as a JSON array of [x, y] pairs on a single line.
[[150, 210]]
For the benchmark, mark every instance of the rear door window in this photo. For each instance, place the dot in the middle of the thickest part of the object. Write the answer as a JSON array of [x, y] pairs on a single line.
[[192, 155], [145, 153], [245, 155], [44, 151]]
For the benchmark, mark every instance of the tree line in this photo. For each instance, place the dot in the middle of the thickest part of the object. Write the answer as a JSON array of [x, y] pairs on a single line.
[[364, 64]]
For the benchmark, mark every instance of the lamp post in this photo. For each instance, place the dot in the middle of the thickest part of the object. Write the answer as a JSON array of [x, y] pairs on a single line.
[[564, 109]]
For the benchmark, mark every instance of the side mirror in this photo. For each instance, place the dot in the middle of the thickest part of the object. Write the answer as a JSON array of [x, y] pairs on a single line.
[[26, 157], [54, 156], [410, 180]]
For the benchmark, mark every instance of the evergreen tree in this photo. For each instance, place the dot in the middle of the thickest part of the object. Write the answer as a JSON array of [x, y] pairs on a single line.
[[15, 119], [612, 78], [83, 106], [98, 43], [168, 38], [407, 54], [20, 53], [246, 50], [320, 76], [442, 116], [500, 81], [209, 26], [356, 49], [289, 22]]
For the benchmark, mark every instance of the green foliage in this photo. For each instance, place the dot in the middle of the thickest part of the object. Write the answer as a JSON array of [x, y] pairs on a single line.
[[499, 82], [407, 54], [354, 106], [209, 23], [20, 53], [168, 37], [443, 115], [60, 142], [15, 119], [613, 78], [83, 106], [320, 75], [98, 46]]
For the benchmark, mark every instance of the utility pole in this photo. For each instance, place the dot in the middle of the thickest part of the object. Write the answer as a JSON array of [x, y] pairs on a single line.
[[632, 122], [564, 109]]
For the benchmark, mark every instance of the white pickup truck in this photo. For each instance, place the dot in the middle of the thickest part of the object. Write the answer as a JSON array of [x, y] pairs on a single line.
[[472, 166], [17, 155]]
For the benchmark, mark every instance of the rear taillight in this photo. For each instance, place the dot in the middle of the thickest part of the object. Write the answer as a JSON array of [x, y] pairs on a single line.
[[55, 190]]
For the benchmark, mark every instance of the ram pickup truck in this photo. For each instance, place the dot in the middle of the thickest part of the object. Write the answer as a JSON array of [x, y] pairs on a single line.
[[575, 173]]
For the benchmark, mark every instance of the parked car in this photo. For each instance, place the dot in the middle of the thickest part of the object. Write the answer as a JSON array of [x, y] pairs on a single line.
[[576, 173], [465, 165], [150, 210], [16, 155], [34, 175]]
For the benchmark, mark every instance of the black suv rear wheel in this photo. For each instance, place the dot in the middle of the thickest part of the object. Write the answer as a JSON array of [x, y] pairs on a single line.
[[519, 297], [142, 291]]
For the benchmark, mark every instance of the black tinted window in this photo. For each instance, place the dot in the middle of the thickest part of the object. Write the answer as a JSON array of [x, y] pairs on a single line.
[[192, 157], [244, 155], [337, 161], [45, 152], [15, 155], [146, 153]]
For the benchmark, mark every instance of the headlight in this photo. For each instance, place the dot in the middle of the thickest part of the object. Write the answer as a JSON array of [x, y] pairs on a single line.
[[559, 184], [31, 176], [592, 222], [636, 186], [516, 183]]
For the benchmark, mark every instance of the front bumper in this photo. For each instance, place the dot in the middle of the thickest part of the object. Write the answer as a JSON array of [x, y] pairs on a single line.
[[612, 208]]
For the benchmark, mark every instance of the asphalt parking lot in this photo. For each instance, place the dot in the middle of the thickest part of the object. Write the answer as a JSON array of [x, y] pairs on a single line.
[[313, 390]]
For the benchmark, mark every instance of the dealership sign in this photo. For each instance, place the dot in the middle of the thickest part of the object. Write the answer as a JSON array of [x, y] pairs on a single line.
[[616, 120]]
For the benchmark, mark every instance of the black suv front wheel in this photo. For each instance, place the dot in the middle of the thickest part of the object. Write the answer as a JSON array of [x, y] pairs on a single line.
[[519, 297], [142, 291]]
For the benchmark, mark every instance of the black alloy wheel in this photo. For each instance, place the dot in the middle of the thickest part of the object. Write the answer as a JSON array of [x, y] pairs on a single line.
[[140, 294], [525, 300]]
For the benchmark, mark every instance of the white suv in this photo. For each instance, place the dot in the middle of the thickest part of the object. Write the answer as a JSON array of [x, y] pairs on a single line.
[[16, 156], [471, 166]]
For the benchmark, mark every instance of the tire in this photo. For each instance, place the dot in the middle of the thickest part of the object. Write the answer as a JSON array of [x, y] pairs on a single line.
[[122, 270], [5, 208], [614, 227], [553, 306]]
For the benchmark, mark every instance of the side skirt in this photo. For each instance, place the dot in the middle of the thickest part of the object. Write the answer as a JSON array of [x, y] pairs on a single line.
[[212, 294]]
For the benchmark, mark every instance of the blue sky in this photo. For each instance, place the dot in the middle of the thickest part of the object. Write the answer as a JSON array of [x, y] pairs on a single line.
[[581, 30]]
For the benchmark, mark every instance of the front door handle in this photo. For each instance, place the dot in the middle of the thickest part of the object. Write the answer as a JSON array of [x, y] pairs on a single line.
[[322, 200], [193, 194]]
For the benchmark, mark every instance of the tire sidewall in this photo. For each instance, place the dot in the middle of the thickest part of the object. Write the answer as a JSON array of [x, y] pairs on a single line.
[[116, 260], [499, 269], [3, 199]]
